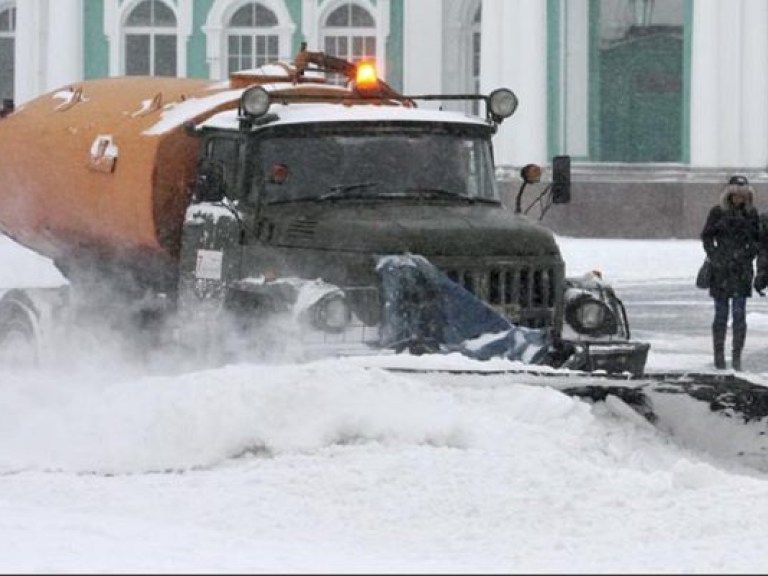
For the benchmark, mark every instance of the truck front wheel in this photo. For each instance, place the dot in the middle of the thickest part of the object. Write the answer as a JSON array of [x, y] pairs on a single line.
[[18, 334]]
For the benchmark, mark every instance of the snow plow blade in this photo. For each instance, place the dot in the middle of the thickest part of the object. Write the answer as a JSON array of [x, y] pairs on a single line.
[[722, 413]]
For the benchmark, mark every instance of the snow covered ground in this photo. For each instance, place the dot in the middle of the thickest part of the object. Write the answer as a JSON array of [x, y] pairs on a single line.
[[332, 467]]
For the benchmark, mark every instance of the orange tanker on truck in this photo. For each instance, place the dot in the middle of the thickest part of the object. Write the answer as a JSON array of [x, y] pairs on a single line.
[[309, 189], [101, 173]]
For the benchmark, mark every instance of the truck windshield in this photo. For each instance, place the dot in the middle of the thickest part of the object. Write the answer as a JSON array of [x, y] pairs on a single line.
[[383, 164]]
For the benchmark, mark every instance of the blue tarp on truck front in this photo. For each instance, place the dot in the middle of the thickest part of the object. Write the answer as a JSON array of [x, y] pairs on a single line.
[[425, 311]]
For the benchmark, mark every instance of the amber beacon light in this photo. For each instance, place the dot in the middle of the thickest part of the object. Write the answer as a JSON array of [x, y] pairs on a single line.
[[366, 78]]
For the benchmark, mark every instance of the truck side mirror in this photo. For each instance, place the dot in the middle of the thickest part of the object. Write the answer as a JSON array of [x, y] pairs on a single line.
[[210, 185], [561, 179]]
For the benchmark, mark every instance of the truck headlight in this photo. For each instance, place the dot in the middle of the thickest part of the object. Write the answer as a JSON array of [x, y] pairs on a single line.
[[331, 313], [588, 315]]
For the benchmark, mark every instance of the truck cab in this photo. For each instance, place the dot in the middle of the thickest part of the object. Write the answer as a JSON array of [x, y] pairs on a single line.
[[307, 180]]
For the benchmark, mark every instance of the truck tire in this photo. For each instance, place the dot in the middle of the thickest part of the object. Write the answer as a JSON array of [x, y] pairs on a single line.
[[18, 333]]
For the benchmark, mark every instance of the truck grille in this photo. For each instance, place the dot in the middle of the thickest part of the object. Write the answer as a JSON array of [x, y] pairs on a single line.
[[526, 294]]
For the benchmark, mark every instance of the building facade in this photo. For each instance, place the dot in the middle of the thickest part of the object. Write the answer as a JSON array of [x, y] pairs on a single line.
[[656, 101]]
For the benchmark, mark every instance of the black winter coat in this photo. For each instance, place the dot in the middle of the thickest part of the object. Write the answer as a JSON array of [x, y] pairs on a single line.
[[730, 239], [761, 278]]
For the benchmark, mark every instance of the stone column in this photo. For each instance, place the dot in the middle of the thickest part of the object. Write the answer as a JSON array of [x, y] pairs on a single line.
[[729, 84], [31, 30], [49, 43], [754, 98], [704, 84], [65, 44], [422, 46], [514, 55]]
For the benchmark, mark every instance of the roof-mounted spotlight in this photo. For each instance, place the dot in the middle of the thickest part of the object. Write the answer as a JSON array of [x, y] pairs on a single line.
[[502, 103], [254, 102]]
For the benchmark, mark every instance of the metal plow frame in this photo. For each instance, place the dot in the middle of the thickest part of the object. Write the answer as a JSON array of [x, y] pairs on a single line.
[[721, 413]]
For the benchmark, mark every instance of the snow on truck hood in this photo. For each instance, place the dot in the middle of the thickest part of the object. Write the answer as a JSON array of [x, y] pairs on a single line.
[[175, 114]]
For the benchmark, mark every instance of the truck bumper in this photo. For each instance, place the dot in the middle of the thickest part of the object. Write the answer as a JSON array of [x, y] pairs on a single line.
[[615, 357]]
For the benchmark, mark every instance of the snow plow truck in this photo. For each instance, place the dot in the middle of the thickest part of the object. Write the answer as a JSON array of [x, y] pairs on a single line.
[[199, 209], [310, 199]]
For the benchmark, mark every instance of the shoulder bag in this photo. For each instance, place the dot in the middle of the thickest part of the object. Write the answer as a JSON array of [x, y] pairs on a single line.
[[704, 276]]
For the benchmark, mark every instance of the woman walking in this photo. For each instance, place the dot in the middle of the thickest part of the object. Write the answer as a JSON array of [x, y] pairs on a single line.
[[730, 238]]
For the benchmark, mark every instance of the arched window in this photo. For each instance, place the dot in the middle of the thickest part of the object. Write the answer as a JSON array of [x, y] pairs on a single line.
[[150, 40], [349, 32], [238, 30], [7, 50], [251, 37]]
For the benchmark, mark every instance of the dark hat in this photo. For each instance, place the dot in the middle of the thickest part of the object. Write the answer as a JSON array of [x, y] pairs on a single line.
[[739, 180]]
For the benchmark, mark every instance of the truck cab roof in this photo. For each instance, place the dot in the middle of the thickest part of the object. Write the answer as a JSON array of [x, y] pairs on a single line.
[[326, 112]]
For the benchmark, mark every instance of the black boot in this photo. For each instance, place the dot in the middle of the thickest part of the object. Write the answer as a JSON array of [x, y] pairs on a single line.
[[736, 360], [739, 336], [718, 343]]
